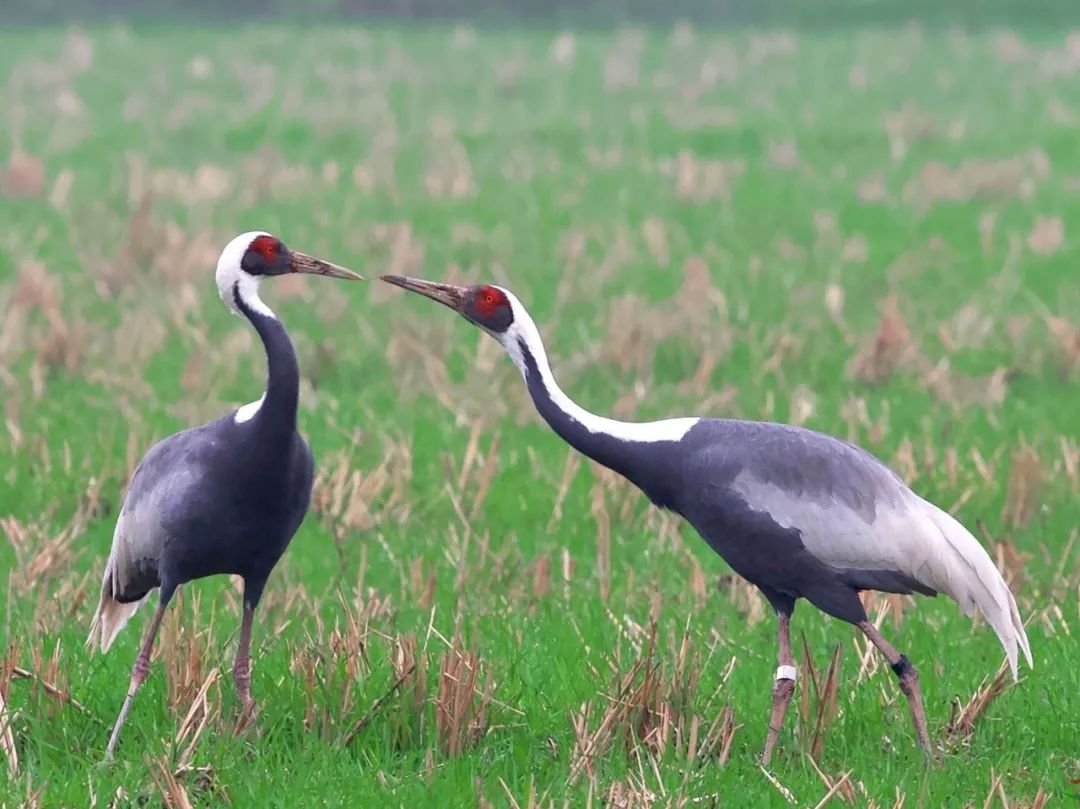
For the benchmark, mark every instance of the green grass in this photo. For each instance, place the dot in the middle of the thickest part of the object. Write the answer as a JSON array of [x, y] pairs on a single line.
[[568, 183]]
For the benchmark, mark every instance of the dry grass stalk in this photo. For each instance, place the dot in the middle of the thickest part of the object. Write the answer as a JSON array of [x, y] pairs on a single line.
[[962, 722], [906, 126], [195, 721], [570, 470], [54, 691], [838, 786], [1023, 496], [745, 597], [422, 587], [651, 711], [788, 795], [172, 791], [825, 688], [622, 63], [1041, 799], [36, 558], [343, 495], [842, 785], [603, 539], [365, 720], [879, 358], [64, 345], [1012, 177], [1047, 236], [1066, 338], [964, 390], [40, 558], [699, 584], [306, 664], [461, 709], [448, 173], [718, 738], [632, 336], [590, 746], [405, 719], [628, 795], [1070, 459], [49, 669], [7, 738], [485, 475], [541, 577], [23, 176], [182, 650], [703, 180], [33, 797], [1010, 560]]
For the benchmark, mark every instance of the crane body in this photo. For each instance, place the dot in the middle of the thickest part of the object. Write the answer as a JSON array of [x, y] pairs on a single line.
[[797, 513], [222, 498]]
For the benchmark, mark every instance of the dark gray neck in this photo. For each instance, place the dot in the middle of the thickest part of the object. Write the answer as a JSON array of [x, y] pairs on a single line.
[[643, 463], [277, 415]]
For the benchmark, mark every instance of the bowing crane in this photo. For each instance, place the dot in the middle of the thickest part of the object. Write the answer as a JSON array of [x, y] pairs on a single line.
[[224, 497], [797, 513]]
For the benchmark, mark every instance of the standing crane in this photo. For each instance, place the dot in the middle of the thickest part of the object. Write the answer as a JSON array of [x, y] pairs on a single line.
[[225, 497], [797, 513]]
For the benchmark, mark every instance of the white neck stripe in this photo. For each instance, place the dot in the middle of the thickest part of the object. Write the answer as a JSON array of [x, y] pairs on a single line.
[[247, 288], [524, 329]]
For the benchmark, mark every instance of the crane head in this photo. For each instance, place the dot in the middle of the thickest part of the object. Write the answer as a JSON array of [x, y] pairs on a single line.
[[489, 307], [252, 256]]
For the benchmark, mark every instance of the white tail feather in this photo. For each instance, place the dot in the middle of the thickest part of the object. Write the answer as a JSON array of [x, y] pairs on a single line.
[[110, 618], [961, 568], [112, 614]]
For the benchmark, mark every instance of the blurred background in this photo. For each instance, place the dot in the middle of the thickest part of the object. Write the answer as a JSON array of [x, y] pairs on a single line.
[[852, 215]]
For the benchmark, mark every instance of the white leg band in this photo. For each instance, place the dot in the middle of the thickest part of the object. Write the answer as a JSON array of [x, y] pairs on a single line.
[[786, 673]]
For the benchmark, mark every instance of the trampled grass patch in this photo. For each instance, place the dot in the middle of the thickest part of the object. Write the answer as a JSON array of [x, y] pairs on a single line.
[[868, 233]]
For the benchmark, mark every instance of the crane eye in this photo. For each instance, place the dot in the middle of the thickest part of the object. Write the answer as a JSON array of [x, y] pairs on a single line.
[[266, 246]]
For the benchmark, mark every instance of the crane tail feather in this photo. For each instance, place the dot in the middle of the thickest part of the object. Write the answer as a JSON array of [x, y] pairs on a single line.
[[962, 569], [110, 618]]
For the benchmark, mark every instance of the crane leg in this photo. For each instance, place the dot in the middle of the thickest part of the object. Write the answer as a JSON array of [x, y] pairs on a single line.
[[242, 669], [138, 675], [909, 681], [785, 687]]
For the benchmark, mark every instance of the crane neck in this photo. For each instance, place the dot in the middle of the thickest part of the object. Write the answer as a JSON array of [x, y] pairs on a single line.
[[622, 446], [275, 412]]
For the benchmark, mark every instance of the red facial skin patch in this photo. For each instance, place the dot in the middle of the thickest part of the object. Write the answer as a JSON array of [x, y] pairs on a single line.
[[265, 246], [489, 300]]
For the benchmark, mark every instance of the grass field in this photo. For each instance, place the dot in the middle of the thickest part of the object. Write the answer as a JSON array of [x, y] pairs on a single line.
[[869, 233]]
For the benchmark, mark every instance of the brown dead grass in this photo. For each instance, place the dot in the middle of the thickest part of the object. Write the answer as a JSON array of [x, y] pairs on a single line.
[[649, 711], [145, 249], [879, 358], [964, 718]]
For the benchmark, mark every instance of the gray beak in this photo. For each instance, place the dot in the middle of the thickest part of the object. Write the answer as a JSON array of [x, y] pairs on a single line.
[[447, 294], [303, 263]]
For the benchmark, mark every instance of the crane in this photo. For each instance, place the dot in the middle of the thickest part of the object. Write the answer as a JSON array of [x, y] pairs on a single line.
[[797, 513], [224, 497]]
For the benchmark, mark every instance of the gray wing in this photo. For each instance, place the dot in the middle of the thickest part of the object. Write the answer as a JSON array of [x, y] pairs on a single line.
[[850, 510], [165, 476], [858, 517]]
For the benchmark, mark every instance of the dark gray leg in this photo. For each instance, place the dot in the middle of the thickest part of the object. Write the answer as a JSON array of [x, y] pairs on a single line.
[[909, 681], [138, 674], [785, 687], [242, 668]]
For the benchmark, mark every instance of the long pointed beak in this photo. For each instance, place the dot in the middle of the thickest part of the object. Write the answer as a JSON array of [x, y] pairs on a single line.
[[446, 294], [303, 263]]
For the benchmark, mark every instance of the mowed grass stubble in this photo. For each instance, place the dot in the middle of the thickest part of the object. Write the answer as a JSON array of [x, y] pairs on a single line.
[[868, 234]]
